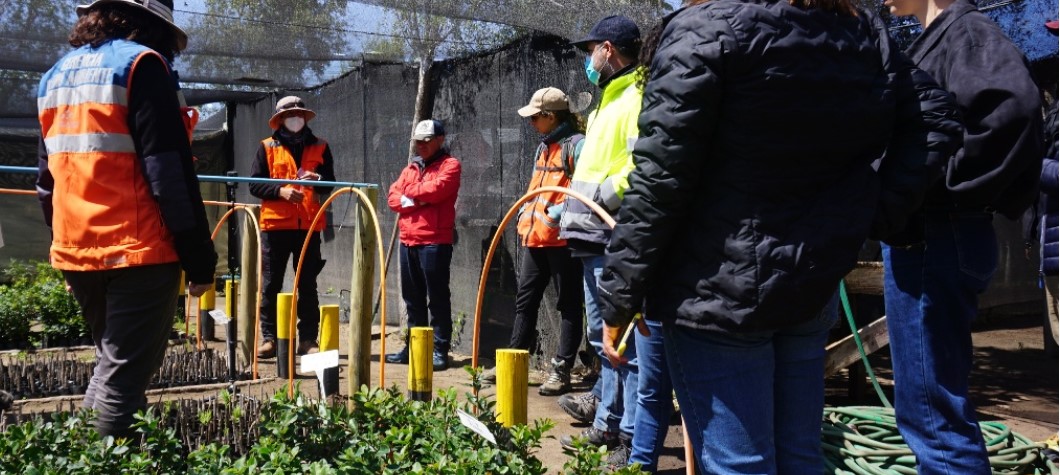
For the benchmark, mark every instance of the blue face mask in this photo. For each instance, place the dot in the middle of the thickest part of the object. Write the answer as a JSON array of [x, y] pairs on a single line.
[[590, 72]]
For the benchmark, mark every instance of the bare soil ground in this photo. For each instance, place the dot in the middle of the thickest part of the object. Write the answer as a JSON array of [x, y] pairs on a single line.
[[1014, 382]]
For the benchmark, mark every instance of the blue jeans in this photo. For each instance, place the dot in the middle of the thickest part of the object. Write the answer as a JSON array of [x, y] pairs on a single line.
[[618, 386], [425, 289], [931, 295], [753, 402], [654, 399]]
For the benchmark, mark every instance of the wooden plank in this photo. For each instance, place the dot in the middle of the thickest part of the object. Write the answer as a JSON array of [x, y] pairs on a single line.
[[866, 278], [843, 353]]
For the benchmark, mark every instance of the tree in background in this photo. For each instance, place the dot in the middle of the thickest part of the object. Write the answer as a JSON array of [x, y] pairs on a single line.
[[28, 49], [276, 43]]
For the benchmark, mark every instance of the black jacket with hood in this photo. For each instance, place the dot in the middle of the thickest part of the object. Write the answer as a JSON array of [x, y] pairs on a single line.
[[998, 167], [755, 185]]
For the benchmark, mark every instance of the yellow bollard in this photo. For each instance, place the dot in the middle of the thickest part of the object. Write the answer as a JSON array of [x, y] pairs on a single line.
[[329, 340], [283, 333], [513, 371], [421, 365], [207, 302], [329, 327], [231, 296]]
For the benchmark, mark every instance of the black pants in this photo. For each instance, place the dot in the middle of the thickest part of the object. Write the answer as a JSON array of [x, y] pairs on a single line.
[[130, 312], [276, 247], [425, 288], [541, 265]]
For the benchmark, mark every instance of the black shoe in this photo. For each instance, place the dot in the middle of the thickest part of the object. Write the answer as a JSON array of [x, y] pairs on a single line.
[[440, 361], [593, 436], [581, 407], [401, 357], [619, 457]]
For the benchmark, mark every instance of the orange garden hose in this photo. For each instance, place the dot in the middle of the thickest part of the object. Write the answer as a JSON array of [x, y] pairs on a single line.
[[7, 191], [382, 282], [604, 215], [298, 272], [257, 302]]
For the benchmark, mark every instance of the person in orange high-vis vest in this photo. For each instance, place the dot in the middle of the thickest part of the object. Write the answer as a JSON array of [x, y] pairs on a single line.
[[546, 257], [293, 152], [118, 188]]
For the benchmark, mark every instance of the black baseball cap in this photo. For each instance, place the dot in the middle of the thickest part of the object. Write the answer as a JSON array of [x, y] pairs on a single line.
[[617, 29]]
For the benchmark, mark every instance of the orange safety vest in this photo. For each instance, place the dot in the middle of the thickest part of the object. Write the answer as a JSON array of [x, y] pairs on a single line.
[[284, 215], [535, 227], [104, 215]]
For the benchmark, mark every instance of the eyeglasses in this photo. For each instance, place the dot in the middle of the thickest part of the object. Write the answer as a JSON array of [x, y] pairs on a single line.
[[539, 115]]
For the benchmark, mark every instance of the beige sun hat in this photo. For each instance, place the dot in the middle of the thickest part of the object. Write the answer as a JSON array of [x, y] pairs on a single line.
[[548, 99], [162, 9], [288, 104]]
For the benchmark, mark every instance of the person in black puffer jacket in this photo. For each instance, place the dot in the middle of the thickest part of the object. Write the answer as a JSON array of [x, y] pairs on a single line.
[[775, 138]]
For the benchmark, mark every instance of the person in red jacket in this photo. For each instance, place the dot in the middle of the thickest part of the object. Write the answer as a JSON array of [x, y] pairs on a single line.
[[424, 196]]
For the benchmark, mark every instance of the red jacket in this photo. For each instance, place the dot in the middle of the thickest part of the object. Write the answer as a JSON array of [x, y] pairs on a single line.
[[432, 189]]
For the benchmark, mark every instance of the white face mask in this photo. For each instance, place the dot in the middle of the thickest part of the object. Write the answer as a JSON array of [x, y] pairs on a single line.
[[294, 124]]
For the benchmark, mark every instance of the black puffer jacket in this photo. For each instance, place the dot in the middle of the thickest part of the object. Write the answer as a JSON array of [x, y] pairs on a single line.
[[754, 184]]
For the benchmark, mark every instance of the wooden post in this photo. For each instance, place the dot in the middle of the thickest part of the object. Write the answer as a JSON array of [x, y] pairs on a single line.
[[358, 365], [513, 371], [248, 289], [283, 333], [421, 364]]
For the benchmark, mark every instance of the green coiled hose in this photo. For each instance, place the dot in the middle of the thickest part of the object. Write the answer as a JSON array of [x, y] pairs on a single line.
[[864, 440]]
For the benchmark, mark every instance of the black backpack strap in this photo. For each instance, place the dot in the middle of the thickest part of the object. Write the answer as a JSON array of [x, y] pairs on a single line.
[[569, 148]]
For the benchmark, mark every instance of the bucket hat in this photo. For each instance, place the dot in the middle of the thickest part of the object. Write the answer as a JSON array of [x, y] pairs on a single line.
[[163, 9]]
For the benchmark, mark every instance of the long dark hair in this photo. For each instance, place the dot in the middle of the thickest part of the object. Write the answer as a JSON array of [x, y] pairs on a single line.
[[575, 121], [109, 21], [651, 40]]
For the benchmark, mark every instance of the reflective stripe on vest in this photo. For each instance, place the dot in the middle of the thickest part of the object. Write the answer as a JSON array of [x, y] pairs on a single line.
[[104, 213], [606, 160], [535, 228], [278, 214]]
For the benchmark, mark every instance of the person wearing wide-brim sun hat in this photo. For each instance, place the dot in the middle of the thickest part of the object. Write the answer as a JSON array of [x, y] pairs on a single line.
[[291, 152], [121, 195]]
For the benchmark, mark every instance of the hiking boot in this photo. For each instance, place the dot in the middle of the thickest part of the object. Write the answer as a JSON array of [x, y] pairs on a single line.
[[308, 347], [440, 361], [593, 436], [536, 378], [267, 350], [581, 407], [401, 357], [489, 376], [619, 457], [558, 382]]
